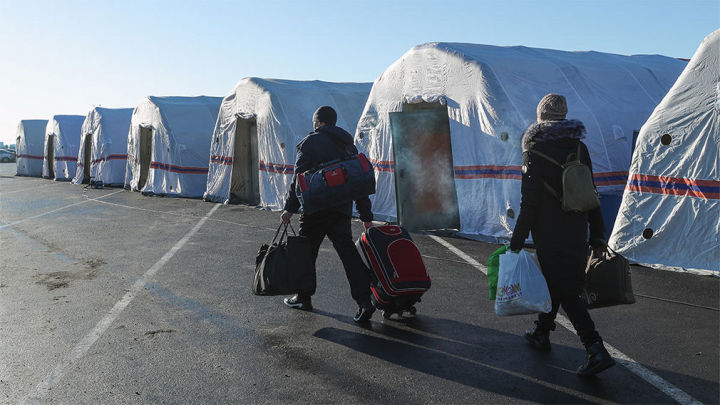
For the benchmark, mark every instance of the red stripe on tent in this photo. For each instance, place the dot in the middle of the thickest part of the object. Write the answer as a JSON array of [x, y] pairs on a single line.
[[226, 160], [38, 157], [671, 191], [503, 176], [608, 174], [178, 169], [707, 189], [110, 157], [65, 158], [680, 180], [487, 167], [276, 168], [610, 182]]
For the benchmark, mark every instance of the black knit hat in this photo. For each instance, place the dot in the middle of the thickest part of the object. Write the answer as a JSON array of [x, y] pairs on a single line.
[[325, 114]]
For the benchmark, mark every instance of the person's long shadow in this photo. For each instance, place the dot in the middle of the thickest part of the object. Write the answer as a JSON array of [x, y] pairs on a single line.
[[482, 358]]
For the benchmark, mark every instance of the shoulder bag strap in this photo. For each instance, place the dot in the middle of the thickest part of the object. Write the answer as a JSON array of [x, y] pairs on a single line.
[[555, 162]]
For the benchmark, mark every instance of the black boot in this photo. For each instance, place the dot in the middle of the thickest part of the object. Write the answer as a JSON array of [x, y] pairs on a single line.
[[598, 359], [539, 336]]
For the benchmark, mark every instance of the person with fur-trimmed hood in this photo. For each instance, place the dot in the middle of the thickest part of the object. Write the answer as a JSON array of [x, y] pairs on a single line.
[[560, 237]]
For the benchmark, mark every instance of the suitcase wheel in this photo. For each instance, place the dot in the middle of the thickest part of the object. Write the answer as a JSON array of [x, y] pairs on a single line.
[[413, 310]]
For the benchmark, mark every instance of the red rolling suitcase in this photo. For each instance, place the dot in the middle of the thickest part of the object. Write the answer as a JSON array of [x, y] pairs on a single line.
[[397, 272]]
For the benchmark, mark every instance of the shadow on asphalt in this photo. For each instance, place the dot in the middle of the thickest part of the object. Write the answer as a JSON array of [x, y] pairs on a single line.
[[455, 361], [490, 360]]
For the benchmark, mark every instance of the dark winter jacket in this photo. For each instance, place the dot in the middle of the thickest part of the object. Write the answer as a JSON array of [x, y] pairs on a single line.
[[327, 143], [561, 238]]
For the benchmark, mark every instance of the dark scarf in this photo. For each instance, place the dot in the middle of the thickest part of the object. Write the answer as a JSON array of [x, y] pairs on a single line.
[[547, 131]]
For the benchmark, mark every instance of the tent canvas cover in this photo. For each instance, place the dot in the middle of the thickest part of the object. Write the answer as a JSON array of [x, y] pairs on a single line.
[[169, 144], [670, 211], [62, 141], [29, 147], [260, 123], [489, 95], [103, 146]]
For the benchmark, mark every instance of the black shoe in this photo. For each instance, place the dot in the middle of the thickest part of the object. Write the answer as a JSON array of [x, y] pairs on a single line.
[[364, 313], [299, 302], [539, 337], [598, 359]]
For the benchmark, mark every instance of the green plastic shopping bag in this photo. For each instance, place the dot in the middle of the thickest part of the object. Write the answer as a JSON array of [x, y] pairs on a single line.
[[493, 266]]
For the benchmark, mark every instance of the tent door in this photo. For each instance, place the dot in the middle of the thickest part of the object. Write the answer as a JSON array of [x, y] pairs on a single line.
[[145, 155], [87, 159], [244, 182], [424, 174], [51, 155]]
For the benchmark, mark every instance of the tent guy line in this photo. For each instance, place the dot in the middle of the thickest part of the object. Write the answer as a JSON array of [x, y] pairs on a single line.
[[56, 210], [634, 367], [56, 374]]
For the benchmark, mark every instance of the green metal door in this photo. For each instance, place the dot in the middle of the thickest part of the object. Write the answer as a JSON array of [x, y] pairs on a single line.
[[424, 175]]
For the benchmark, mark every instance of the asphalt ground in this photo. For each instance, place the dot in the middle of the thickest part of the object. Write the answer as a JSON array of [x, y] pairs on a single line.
[[107, 296]]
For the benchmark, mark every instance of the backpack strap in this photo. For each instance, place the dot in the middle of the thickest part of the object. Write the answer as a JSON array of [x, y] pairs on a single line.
[[546, 157], [553, 161], [577, 155]]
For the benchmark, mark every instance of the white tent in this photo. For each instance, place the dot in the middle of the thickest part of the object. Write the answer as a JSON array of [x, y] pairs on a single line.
[[670, 211], [29, 147], [461, 110], [103, 146], [260, 123], [169, 144], [62, 141]]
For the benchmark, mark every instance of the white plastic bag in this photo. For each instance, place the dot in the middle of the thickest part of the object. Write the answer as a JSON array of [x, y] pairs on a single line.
[[521, 287]]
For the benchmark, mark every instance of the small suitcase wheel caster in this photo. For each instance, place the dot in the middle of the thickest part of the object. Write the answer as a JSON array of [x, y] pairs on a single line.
[[386, 314], [412, 310]]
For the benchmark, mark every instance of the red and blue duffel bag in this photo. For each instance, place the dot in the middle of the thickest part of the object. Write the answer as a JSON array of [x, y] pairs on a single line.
[[397, 272], [340, 180]]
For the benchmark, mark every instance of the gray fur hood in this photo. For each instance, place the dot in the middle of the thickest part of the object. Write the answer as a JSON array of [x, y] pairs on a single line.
[[548, 131]]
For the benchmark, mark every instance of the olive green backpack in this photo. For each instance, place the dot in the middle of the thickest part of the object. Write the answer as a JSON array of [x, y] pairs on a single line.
[[578, 189]]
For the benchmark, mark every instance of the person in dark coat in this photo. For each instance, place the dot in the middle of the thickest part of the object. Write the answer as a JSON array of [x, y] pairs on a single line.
[[560, 237], [329, 142]]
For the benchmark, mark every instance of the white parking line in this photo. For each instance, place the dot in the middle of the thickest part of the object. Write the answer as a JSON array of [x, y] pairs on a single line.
[[56, 210], [44, 387], [655, 380]]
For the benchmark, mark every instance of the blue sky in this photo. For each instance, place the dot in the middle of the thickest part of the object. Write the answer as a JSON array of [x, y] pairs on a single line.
[[66, 56]]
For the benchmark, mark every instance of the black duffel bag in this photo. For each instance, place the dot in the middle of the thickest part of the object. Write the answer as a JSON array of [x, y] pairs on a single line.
[[284, 267], [607, 280]]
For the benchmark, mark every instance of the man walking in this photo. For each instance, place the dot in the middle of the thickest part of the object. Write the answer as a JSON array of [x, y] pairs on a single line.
[[325, 144]]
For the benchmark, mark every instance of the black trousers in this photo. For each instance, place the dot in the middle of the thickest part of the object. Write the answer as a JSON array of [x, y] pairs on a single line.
[[576, 312], [337, 227]]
